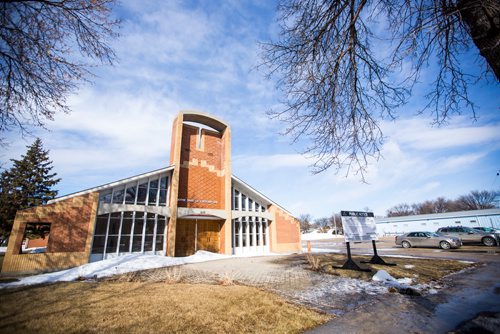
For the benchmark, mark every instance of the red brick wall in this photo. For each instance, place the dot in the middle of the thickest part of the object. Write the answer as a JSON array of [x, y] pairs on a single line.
[[70, 222], [287, 228], [201, 179]]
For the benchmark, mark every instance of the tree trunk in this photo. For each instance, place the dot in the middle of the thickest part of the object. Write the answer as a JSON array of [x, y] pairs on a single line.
[[482, 17]]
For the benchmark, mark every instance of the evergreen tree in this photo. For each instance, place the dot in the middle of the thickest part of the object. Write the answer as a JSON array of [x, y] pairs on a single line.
[[26, 184]]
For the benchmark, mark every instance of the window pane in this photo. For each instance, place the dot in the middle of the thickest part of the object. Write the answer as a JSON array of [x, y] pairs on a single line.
[[163, 183], [137, 243], [150, 224], [236, 200], [114, 223], [251, 231], [138, 226], [159, 243], [124, 243], [105, 197], [130, 194], [160, 229], [153, 191], [142, 192], [250, 204], [163, 198], [243, 202], [112, 244], [244, 233], [127, 223], [118, 195], [98, 244], [101, 225], [148, 243]]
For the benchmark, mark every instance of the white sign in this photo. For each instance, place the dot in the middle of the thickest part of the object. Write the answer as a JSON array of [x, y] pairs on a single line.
[[358, 226]]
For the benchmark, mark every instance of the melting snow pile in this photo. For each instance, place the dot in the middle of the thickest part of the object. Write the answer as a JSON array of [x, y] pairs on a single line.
[[118, 265], [384, 277]]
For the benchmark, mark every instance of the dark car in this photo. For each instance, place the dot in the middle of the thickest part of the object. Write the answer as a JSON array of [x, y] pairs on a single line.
[[427, 239], [470, 235]]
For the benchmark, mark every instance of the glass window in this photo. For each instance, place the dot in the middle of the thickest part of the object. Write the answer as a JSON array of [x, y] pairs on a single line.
[[105, 196], [98, 244], [112, 244], [127, 223], [244, 232], [137, 243], [150, 223], [124, 243], [251, 230], [250, 204], [142, 192], [114, 223], [118, 194], [236, 233], [264, 231], [130, 193], [139, 223], [148, 243], [236, 201], [153, 191], [159, 243], [258, 231], [243, 202], [160, 228], [101, 225]]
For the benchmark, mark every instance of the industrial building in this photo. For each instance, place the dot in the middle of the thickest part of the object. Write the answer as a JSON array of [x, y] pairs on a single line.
[[193, 204], [431, 222]]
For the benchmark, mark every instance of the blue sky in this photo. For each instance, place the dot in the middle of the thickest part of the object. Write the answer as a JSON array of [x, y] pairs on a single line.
[[202, 56]]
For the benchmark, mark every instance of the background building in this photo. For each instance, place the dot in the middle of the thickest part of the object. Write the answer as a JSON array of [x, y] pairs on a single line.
[[431, 222], [194, 204]]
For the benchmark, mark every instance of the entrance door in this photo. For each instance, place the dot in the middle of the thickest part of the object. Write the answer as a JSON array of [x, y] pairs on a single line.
[[194, 235]]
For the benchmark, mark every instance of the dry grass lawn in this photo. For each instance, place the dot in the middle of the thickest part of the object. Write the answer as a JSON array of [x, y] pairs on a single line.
[[138, 307], [421, 270]]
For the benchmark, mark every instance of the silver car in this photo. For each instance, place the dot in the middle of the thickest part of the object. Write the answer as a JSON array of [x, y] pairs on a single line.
[[470, 235], [427, 239]]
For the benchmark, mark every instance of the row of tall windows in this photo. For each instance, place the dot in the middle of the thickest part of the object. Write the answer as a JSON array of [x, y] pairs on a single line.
[[129, 232], [244, 203], [249, 232], [149, 191]]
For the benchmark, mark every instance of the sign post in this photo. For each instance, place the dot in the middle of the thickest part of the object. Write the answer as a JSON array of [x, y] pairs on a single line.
[[360, 227]]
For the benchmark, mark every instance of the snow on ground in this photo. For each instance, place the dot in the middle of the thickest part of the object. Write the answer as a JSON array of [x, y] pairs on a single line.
[[315, 235], [118, 265], [322, 250], [3, 250], [384, 277]]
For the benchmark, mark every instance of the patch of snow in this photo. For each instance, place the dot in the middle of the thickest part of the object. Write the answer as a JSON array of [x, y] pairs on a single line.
[[463, 261], [118, 265], [322, 250], [35, 250], [409, 266], [3, 250], [432, 291], [384, 277], [315, 235]]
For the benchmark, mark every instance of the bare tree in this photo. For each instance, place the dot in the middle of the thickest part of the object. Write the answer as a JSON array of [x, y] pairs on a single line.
[[321, 224], [47, 48], [305, 222], [403, 209], [336, 86], [477, 200]]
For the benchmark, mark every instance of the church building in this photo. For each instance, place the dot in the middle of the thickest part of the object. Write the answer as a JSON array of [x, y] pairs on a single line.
[[195, 203]]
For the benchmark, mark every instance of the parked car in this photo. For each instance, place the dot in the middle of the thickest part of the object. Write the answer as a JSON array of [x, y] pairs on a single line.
[[427, 239], [487, 229], [470, 235]]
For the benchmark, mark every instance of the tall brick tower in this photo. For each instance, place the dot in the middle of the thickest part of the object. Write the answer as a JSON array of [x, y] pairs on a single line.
[[200, 195]]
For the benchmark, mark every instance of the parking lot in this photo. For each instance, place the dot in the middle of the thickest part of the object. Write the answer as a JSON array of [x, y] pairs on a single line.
[[387, 247]]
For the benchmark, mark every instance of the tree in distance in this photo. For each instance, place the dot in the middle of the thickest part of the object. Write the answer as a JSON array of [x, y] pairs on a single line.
[[29, 182], [46, 49], [337, 86], [475, 200]]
